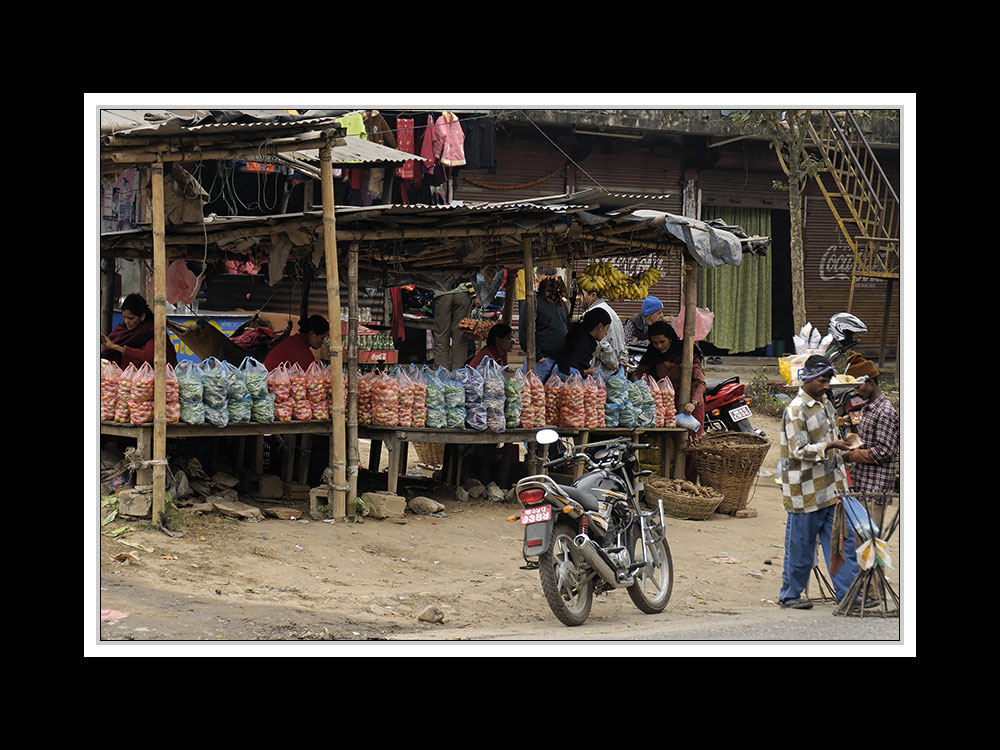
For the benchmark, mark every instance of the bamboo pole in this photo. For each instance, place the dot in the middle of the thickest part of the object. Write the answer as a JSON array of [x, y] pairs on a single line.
[[160, 344], [529, 299], [337, 448], [687, 350], [353, 452]]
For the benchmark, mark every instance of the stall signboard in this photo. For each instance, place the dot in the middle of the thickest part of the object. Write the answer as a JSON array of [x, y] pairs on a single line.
[[225, 322]]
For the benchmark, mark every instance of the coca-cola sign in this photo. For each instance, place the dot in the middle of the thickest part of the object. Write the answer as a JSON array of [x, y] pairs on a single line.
[[837, 264]]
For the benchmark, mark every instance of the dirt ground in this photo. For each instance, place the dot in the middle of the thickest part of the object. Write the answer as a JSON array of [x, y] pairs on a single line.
[[306, 580]]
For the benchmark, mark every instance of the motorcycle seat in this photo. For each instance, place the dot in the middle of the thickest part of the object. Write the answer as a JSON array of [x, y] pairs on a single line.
[[712, 386], [587, 499]]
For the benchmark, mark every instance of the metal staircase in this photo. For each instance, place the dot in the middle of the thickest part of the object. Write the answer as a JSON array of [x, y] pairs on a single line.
[[862, 200]]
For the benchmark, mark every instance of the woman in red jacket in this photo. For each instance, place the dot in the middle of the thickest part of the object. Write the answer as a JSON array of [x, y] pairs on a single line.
[[132, 341], [297, 349]]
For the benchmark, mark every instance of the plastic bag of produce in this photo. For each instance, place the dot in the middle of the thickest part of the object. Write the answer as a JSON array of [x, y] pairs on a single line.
[[454, 392], [192, 412], [593, 396], [436, 418], [493, 381], [612, 414], [217, 415], [455, 417], [434, 394], [476, 416], [470, 379], [302, 410], [385, 401], [404, 416], [626, 415], [279, 384], [215, 384], [418, 386], [643, 403], [297, 381], [110, 375], [573, 404], [617, 387], [262, 409], [239, 409], [669, 405], [315, 382], [237, 382], [140, 400], [366, 405], [513, 387], [532, 401], [254, 377], [173, 404], [657, 398], [553, 398], [190, 390], [320, 411]]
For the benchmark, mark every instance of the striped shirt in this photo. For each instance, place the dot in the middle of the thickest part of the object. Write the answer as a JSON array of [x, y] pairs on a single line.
[[810, 478], [879, 431]]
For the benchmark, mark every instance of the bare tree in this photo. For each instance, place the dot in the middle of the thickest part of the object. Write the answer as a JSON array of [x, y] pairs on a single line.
[[787, 132]]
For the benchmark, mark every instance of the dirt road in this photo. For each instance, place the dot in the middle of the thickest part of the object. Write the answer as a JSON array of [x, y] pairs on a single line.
[[305, 580]]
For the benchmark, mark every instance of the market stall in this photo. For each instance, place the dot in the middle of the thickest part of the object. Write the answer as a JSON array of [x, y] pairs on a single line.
[[435, 247]]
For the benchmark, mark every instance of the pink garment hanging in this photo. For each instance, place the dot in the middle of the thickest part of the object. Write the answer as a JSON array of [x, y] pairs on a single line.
[[449, 140]]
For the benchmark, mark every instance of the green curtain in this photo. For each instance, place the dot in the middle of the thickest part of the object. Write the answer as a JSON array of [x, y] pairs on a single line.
[[740, 296]]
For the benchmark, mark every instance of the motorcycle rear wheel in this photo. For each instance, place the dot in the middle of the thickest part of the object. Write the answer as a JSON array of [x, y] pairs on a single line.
[[569, 598], [655, 581]]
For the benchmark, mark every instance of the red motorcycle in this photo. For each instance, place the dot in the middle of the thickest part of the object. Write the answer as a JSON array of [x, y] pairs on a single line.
[[727, 407]]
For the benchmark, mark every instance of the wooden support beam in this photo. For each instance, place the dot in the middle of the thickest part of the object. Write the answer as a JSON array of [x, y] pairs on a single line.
[[338, 457], [690, 266], [353, 451], [160, 346]]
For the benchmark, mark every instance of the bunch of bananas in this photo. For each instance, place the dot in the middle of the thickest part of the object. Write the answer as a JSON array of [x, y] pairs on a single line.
[[614, 285]]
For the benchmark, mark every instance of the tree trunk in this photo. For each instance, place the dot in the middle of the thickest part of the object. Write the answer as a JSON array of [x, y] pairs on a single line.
[[797, 255]]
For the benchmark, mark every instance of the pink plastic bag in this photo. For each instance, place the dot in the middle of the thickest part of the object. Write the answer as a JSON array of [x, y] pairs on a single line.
[[573, 404], [110, 375], [182, 284], [703, 320]]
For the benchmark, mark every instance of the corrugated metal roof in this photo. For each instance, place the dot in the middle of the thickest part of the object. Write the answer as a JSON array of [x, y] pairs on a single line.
[[355, 150], [124, 123]]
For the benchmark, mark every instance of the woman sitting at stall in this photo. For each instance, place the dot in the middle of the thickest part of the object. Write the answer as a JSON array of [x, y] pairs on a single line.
[[581, 341], [663, 360], [297, 349], [132, 341], [499, 342]]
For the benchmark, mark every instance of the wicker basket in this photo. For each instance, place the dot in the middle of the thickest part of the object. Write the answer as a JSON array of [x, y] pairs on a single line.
[[681, 504], [430, 453], [729, 462]]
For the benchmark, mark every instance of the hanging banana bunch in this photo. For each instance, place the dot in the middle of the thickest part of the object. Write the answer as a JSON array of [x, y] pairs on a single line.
[[614, 285]]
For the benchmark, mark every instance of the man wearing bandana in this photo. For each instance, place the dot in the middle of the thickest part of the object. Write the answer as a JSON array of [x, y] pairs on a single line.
[[812, 475]]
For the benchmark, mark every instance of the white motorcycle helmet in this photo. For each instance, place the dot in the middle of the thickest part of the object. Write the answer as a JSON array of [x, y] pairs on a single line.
[[844, 325]]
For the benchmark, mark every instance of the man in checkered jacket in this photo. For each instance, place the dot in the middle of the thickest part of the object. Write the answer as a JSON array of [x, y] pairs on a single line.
[[812, 474]]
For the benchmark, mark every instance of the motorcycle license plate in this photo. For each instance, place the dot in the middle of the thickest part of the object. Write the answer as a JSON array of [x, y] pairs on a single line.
[[740, 412], [537, 514]]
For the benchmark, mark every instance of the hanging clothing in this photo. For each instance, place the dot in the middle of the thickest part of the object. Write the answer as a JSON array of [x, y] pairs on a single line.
[[377, 129], [404, 133], [449, 140], [480, 143], [354, 123]]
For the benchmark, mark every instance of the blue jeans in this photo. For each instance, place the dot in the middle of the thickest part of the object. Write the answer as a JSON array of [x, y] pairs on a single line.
[[544, 368], [801, 531]]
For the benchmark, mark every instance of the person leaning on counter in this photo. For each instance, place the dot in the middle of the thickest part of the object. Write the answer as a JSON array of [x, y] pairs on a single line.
[[132, 341]]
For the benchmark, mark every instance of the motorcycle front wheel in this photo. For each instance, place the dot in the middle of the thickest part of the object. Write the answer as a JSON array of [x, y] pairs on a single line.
[[654, 582], [569, 596]]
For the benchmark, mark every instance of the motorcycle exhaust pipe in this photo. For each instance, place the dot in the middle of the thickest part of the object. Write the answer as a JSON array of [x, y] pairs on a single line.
[[592, 555]]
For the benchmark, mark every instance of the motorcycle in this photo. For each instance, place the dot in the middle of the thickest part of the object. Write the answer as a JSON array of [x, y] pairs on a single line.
[[727, 407], [593, 537]]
